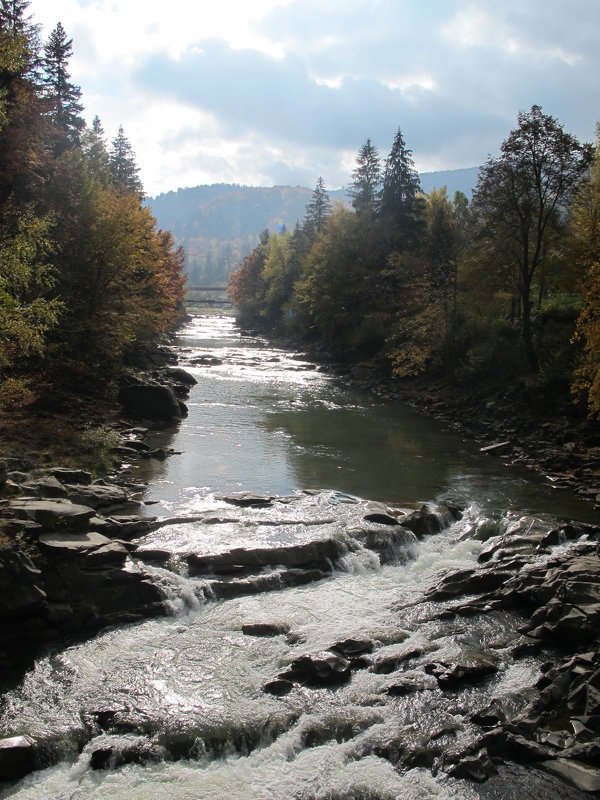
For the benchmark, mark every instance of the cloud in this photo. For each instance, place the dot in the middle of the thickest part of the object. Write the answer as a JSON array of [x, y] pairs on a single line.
[[275, 90]]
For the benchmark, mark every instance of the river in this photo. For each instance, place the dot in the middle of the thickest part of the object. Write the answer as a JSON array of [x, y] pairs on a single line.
[[178, 703]]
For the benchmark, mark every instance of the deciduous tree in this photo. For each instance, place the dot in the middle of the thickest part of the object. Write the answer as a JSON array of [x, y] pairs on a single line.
[[520, 196]]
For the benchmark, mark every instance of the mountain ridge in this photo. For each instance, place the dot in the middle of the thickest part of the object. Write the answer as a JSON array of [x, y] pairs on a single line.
[[218, 224]]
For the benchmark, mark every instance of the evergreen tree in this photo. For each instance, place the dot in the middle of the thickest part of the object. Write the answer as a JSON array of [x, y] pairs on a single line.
[[318, 209], [366, 178], [63, 96], [96, 154], [123, 169], [399, 195]]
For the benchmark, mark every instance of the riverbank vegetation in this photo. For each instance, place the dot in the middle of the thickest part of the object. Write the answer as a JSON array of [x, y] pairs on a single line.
[[88, 284], [500, 290]]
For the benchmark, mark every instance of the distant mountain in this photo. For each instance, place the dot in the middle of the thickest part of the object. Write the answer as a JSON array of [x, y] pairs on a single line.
[[218, 224], [455, 180]]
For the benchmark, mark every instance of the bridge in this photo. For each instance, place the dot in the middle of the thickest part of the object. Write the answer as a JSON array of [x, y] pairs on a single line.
[[207, 296]]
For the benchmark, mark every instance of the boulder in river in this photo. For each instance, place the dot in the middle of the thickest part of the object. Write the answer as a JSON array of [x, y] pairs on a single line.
[[152, 401], [17, 757], [325, 669]]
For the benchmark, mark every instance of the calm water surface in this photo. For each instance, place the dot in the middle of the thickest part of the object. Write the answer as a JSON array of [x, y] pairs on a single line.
[[268, 421]]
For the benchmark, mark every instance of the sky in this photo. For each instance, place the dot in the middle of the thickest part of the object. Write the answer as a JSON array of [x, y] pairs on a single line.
[[266, 92]]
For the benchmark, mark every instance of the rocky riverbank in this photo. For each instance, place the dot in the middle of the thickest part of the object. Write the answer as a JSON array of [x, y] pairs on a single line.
[[530, 602], [66, 565]]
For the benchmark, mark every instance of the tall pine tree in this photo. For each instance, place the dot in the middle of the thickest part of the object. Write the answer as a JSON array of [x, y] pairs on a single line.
[[62, 95], [96, 154], [366, 178], [123, 169], [399, 195], [317, 210]]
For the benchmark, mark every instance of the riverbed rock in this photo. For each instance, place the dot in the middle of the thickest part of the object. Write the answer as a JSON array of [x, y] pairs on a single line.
[[247, 500], [180, 375], [153, 401], [17, 757], [320, 554], [325, 669], [581, 776], [67, 475], [409, 683], [96, 496], [53, 514], [110, 752], [265, 628], [470, 667], [47, 486], [476, 767], [393, 545], [428, 521], [66, 545], [273, 580]]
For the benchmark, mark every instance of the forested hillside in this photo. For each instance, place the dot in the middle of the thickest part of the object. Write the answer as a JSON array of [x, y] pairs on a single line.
[[88, 282], [500, 290], [218, 225]]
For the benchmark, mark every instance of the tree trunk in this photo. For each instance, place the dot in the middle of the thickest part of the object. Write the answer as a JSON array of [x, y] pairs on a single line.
[[530, 355]]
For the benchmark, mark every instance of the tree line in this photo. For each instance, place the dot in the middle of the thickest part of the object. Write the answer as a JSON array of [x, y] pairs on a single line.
[[87, 281], [503, 288]]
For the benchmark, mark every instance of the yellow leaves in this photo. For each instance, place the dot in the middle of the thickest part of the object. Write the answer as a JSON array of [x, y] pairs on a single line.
[[26, 311]]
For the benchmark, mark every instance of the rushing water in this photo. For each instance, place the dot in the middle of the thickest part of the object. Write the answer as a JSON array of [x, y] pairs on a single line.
[[185, 694]]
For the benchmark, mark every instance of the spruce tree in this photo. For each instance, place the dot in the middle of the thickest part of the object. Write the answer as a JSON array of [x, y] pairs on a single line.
[[399, 195], [123, 169], [366, 178], [63, 97], [317, 210], [94, 149]]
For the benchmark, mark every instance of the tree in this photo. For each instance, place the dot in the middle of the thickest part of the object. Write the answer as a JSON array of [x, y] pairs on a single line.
[[19, 40], [27, 309], [521, 195], [95, 152], [24, 161], [123, 169], [246, 285], [400, 193], [63, 97], [366, 178], [585, 250], [318, 209]]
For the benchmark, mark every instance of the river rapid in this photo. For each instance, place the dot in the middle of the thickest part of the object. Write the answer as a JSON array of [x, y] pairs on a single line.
[[176, 707]]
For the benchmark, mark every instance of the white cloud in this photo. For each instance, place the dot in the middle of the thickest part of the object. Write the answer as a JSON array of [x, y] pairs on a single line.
[[252, 91]]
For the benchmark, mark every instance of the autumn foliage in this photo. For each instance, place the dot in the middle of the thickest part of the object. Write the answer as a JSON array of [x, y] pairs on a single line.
[[502, 291], [88, 283]]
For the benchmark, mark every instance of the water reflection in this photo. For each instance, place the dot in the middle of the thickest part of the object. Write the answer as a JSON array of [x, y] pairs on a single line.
[[264, 420]]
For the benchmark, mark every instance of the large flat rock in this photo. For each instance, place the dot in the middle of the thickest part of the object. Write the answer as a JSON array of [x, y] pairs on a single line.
[[53, 514], [72, 543]]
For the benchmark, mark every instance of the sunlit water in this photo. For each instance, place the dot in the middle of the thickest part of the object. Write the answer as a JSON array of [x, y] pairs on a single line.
[[189, 686]]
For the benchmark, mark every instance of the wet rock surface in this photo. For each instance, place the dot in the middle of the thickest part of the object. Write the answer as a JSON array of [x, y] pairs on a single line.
[[556, 600]]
